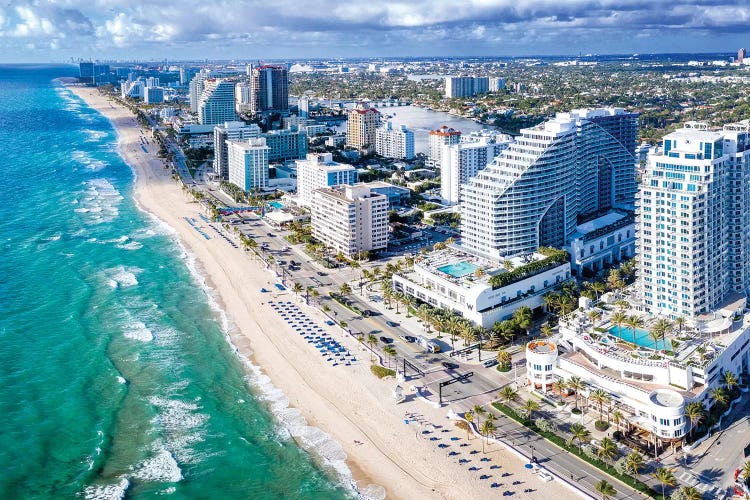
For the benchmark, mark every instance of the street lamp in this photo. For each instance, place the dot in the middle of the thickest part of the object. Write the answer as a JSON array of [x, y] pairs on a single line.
[[532, 454]]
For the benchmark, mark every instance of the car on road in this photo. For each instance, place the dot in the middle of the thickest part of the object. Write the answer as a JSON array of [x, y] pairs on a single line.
[[408, 338], [270, 235], [392, 324], [450, 365], [330, 323], [490, 363], [281, 262], [321, 273], [386, 340]]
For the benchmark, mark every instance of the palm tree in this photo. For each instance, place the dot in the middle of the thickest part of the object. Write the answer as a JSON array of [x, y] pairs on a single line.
[[452, 327], [560, 386], [345, 289], [578, 433], [469, 417], [690, 493], [746, 470], [297, 288], [634, 462], [550, 301], [605, 489], [391, 352], [523, 318], [600, 397], [634, 323], [546, 330], [730, 380], [618, 418], [695, 413], [372, 341], [666, 478], [598, 288], [566, 304], [479, 411], [529, 407], [719, 396], [487, 428], [504, 358], [594, 316], [508, 394], [607, 450], [576, 384], [618, 319], [680, 321]]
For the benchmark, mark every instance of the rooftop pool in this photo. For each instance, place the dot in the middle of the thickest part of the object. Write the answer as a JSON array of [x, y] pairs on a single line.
[[642, 338], [276, 204], [459, 269]]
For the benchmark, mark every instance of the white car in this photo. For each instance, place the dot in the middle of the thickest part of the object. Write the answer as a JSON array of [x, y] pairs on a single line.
[[546, 476]]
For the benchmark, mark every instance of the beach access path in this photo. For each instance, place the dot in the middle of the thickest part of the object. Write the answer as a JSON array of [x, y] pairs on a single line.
[[347, 402]]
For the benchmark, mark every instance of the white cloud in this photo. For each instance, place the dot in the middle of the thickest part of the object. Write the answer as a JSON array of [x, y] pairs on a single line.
[[32, 25]]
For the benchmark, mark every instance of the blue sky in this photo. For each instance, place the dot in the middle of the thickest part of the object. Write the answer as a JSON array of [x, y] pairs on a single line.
[[45, 30]]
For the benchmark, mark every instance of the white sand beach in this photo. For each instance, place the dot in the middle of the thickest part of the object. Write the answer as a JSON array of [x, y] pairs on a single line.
[[346, 402]]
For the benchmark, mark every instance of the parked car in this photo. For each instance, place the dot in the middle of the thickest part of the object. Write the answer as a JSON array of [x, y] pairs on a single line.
[[450, 365], [408, 338], [386, 340], [490, 363], [392, 324]]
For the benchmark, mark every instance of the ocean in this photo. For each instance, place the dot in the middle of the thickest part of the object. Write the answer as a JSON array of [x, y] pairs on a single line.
[[117, 378]]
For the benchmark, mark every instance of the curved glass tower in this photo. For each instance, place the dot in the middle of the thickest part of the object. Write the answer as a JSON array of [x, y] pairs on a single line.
[[567, 169]]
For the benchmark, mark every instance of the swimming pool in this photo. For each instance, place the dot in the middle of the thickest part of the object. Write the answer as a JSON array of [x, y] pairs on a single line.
[[459, 269], [276, 204], [642, 337]]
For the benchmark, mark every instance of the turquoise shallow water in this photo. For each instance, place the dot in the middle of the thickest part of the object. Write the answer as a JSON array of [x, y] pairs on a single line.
[[116, 377]]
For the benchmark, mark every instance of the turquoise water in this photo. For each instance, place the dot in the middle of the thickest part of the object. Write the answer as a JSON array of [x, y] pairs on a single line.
[[642, 337], [276, 204], [116, 377], [459, 269]]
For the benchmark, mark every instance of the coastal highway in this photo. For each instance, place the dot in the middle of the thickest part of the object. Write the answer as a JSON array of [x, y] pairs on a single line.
[[485, 382], [481, 388]]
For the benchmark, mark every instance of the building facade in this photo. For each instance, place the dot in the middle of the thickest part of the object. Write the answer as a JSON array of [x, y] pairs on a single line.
[[533, 194], [362, 123], [447, 280], [693, 221], [444, 136], [153, 95], [319, 171], [269, 89], [394, 143], [287, 144], [248, 163], [465, 86], [229, 131], [350, 219], [460, 163], [496, 84], [216, 102]]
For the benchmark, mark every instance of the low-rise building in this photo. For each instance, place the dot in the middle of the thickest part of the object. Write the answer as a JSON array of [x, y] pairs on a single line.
[[602, 242], [350, 219], [481, 290]]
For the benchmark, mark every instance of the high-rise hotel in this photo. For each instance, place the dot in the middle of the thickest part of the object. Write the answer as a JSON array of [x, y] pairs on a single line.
[[694, 221], [571, 168]]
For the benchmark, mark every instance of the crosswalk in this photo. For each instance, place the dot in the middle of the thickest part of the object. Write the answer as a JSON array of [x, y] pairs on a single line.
[[690, 479]]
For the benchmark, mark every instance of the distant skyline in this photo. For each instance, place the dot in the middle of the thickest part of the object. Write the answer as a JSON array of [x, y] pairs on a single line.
[[45, 30]]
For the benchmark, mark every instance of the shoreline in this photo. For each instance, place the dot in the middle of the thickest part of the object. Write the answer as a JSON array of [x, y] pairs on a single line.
[[342, 414]]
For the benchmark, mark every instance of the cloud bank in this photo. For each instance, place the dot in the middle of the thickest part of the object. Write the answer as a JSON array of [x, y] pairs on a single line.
[[328, 28]]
